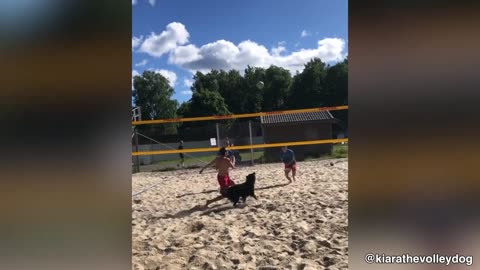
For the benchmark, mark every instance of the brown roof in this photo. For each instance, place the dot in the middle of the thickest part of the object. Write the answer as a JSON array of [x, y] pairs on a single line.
[[297, 117]]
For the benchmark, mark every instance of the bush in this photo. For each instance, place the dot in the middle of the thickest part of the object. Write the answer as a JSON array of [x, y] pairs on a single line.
[[261, 159], [340, 151]]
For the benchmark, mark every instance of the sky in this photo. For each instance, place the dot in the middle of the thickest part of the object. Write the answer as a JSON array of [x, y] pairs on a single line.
[[180, 37]]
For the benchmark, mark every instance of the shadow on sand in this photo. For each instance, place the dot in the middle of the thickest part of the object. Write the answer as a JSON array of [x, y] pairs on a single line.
[[203, 192], [274, 186], [213, 209], [216, 190], [202, 208], [223, 208], [185, 213]]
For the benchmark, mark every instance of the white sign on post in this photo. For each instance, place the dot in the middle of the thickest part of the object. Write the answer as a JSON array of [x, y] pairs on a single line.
[[213, 141]]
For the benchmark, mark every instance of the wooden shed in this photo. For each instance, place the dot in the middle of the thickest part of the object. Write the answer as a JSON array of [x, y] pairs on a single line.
[[298, 127]]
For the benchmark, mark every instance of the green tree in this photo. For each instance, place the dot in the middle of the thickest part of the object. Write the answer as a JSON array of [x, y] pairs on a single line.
[[309, 88], [337, 91], [277, 85], [204, 103], [252, 95], [205, 82], [337, 84], [153, 94], [231, 87], [183, 109]]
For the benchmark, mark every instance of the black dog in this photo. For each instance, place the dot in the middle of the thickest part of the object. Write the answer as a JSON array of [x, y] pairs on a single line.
[[243, 190]]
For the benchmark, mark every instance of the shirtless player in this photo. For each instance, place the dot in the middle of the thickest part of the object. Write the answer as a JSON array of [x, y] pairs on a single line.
[[223, 165]]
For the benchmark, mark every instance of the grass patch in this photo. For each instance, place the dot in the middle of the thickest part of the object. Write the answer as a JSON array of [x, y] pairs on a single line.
[[197, 162], [188, 161], [205, 159], [338, 151], [256, 155], [191, 163], [261, 159], [168, 169]]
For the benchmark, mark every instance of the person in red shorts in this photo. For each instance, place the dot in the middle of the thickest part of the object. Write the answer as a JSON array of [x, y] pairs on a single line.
[[223, 165], [288, 159]]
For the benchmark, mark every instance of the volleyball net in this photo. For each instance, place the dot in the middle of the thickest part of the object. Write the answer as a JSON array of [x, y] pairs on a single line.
[[253, 138]]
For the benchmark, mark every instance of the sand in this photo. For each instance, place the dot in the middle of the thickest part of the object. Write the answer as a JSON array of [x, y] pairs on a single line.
[[302, 225]]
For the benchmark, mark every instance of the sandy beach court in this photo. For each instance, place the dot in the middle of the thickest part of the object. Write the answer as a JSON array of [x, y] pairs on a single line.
[[302, 225]]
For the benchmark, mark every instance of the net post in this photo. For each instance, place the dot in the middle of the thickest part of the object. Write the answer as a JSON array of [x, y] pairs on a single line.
[[218, 134], [137, 159], [251, 140]]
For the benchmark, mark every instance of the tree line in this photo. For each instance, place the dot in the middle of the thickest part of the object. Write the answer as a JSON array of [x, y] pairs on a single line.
[[221, 92]]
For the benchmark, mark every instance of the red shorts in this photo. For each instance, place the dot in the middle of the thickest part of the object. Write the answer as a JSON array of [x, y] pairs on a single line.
[[291, 166], [225, 182]]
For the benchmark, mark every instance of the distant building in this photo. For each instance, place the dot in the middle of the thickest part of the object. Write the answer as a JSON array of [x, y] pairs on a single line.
[[298, 127]]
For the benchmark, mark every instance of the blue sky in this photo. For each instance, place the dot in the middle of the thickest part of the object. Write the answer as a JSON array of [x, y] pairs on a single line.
[[178, 37]]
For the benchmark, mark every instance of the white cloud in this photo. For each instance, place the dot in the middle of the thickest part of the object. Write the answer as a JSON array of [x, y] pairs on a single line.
[[151, 2], [136, 41], [305, 33], [282, 43], [220, 54], [159, 44], [215, 55], [134, 73], [186, 92], [225, 55], [276, 51], [188, 82], [328, 50], [170, 75], [142, 63], [184, 54]]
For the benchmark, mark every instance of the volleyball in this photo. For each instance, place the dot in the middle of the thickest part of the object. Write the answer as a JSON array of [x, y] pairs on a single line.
[[260, 85]]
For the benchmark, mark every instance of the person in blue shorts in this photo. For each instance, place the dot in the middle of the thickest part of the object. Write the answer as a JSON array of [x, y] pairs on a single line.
[[288, 159]]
